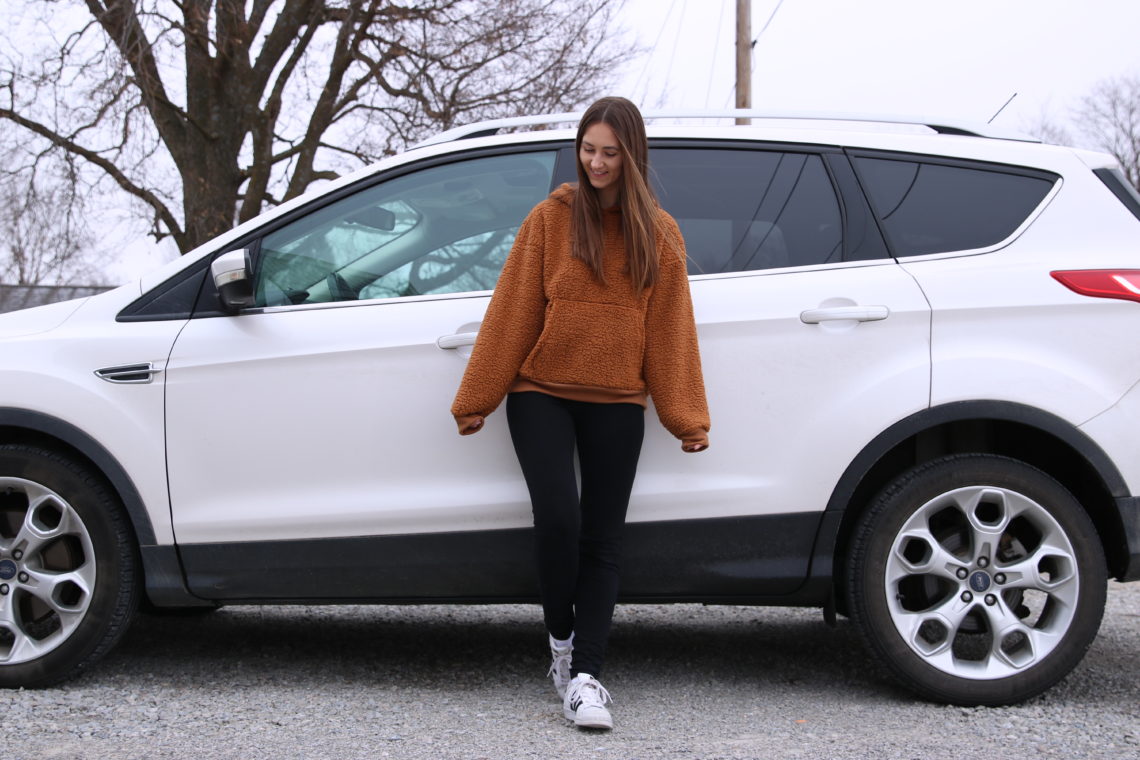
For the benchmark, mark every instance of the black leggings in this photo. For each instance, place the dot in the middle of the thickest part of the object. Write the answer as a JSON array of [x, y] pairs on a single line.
[[577, 541]]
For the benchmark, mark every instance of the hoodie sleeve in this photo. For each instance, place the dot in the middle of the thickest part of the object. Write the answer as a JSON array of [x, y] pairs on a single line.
[[672, 357], [509, 329]]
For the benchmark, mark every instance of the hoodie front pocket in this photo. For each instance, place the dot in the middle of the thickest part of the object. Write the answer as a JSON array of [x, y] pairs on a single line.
[[592, 344]]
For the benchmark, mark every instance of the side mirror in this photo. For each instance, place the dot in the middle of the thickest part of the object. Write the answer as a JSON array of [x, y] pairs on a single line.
[[232, 277]]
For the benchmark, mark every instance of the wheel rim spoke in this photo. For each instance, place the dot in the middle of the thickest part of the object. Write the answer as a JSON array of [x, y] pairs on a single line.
[[65, 593], [34, 532], [934, 559], [24, 648], [1020, 646], [1049, 570], [932, 632]]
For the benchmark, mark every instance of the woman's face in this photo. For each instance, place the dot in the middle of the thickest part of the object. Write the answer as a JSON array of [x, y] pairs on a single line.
[[601, 158]]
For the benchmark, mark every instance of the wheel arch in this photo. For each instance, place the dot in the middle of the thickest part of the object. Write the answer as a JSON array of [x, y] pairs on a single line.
[[1031, 435], [161, 565], [25, 426]]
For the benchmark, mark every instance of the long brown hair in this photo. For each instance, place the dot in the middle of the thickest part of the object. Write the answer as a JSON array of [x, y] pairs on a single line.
[[638, 203]]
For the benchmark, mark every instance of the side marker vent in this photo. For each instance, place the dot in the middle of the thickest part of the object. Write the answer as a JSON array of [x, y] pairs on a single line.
[[128, 373]]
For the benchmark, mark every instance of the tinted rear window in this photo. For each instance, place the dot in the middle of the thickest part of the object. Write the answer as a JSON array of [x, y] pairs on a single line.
[[927, 207]]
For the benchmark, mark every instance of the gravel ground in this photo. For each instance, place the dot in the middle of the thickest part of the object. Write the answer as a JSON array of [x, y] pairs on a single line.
[[467, 682]]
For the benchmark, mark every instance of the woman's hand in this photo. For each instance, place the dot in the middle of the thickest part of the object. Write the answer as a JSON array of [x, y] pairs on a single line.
[[470, 424], [695, 443]]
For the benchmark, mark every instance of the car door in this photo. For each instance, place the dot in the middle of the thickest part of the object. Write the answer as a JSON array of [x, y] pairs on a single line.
[[322, 413]]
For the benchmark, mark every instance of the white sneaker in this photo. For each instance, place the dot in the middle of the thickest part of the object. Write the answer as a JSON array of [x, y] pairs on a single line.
[[560, 667], [585, 703]]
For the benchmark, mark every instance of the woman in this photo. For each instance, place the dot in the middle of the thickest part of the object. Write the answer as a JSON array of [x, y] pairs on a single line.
[[590, 316]]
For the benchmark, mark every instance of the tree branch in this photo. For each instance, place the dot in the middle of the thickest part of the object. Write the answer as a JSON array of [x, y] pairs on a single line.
[[161, 212], [120, 21]]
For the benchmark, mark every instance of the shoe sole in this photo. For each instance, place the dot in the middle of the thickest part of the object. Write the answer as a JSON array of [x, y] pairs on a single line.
[[599, 721]]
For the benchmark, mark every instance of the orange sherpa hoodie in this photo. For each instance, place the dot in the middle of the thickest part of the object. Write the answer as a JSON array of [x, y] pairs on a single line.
[[553, 327]]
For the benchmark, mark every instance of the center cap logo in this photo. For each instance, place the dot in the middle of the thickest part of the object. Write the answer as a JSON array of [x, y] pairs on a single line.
[[979, 581], [7, 569]]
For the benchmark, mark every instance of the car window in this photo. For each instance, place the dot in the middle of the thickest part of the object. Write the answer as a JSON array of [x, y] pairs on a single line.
[[1115, 180], [927, 207], [442, 229], [744, 210]]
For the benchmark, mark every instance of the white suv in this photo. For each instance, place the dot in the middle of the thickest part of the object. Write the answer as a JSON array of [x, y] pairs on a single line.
[[919, 344]]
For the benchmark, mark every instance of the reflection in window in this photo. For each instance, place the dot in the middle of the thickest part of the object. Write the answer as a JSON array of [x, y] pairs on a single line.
[[443, 229], [292, 265], [467, 265]]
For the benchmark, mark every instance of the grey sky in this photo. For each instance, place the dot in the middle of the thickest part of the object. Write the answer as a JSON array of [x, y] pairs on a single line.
[[958, 59]]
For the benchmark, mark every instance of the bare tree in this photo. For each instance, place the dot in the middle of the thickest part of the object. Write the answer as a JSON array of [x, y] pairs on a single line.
[[205, 111], [1106, 119], [1047, 130], [44, 234], [1109, 117]]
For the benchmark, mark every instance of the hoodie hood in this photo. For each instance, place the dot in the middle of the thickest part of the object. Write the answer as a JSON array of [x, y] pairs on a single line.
[[564, 193]]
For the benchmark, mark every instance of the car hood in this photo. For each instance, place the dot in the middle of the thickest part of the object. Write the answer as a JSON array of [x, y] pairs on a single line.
[[38, 319]]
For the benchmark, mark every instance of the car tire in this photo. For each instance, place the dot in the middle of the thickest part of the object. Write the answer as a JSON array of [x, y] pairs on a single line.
[[69, 572], [977, 580]]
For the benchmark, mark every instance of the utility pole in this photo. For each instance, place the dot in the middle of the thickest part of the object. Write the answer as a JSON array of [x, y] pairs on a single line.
[[744, 56]]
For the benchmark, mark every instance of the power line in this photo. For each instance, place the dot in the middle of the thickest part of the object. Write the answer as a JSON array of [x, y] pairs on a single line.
[[649, 58], [716, 47], [676, 42], [771, 16]]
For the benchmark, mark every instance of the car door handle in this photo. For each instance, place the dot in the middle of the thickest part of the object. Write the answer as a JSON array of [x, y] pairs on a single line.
[[457, 340], [834, 313]]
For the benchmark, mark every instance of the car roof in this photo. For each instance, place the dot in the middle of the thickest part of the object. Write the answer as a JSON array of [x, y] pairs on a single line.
[[872, 121], [901, 134]]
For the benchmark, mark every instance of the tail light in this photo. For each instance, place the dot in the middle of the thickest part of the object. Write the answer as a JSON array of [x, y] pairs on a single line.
[[1102, 283]]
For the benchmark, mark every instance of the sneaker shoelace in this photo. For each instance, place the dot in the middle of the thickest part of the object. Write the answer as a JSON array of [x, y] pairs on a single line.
[[560, 667], [588, 693]]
